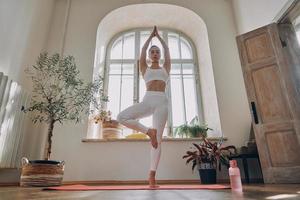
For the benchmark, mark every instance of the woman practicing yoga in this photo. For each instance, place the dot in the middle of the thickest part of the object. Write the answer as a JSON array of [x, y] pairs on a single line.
[[154, 102]]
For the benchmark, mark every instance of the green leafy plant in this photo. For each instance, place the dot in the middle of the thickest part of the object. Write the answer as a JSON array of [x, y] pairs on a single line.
[[102, 116], [193, 129], [59, 94], [209, 154]]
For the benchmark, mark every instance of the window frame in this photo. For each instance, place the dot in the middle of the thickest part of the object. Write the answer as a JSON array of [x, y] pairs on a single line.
[[136, 73]]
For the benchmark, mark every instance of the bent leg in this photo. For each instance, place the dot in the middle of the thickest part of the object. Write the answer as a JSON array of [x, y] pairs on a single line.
[[129, 116]]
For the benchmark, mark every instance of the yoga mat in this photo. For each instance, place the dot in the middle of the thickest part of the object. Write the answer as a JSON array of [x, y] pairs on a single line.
[[137, 187]]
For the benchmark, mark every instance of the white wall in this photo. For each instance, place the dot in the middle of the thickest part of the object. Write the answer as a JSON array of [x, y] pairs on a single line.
[[252, 14], [24, 27], [130, 160]]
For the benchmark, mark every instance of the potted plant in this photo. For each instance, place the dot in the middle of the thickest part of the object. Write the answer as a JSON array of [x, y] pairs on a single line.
[[193, 129], [58, 95], [207, 157], [110, 128]]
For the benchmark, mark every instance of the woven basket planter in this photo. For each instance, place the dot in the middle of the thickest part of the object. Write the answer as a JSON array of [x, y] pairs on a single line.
[[111, 129], [41, 173]]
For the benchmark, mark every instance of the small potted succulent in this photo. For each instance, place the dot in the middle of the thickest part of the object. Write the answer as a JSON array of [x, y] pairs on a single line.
[[207, 156]]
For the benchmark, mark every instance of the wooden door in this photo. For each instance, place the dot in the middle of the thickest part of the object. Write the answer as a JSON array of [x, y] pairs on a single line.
[[274, 101]]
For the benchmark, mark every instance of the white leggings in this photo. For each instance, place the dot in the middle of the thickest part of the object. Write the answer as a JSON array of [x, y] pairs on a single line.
[[156, 103]]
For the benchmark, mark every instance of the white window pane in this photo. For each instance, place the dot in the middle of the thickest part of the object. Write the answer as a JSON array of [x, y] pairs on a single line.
[[128, 50], [175, 69], [173, 45], [173, 131], [296, 24], [177, 100], [127, 91], [128, 69], [186, 50], [165, 133], [147, 121], [116, 50], [190, 97], [298, 36], [187, 68], [115, 69], [127, 131], [114, 94]]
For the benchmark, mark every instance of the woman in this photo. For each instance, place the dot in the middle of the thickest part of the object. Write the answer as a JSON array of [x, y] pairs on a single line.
[[155, 101]]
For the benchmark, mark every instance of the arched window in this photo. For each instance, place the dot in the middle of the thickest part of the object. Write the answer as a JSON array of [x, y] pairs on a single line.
[[125, 85]]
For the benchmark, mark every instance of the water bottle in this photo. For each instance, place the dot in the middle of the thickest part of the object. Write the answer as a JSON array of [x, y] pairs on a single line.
[[235, 177]]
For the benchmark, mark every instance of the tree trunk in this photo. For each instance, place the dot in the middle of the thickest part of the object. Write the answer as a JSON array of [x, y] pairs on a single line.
[[50, 131]]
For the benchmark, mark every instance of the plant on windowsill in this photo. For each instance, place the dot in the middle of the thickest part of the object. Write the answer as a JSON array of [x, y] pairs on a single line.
[[193, 129], [110, 128], [58, 95], [207, 157], [102, 116]]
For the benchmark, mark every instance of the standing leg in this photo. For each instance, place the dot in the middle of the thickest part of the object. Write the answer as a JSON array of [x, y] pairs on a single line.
[[159, 121]]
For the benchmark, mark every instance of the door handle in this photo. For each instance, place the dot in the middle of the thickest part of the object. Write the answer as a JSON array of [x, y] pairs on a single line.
[[254, 112]]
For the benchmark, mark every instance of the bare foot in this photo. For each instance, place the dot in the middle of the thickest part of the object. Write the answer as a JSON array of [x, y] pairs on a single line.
[[152, 134], [152, 181]]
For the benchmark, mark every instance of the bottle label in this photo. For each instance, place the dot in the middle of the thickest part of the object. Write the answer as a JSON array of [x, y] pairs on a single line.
[[234, 172]]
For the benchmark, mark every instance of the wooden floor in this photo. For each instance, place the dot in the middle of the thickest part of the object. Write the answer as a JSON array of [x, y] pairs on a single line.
[[285, 192]]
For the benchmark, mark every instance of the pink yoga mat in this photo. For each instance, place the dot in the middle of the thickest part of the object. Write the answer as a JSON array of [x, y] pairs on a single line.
[[137, 187]]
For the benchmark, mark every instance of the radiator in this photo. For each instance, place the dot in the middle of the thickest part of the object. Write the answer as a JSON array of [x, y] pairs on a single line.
[[12, 121]]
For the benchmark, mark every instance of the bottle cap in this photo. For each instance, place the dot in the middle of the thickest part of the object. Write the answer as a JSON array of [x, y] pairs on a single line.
[[233, 163]]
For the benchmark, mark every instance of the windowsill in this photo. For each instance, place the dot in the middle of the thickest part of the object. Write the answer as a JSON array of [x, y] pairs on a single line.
[[146, 140]]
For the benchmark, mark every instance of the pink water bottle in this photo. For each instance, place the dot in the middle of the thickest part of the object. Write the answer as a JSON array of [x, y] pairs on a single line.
[[235, 177]]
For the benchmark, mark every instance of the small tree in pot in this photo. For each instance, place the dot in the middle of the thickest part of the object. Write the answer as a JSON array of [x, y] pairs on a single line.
[[207, 157], [59, 95]]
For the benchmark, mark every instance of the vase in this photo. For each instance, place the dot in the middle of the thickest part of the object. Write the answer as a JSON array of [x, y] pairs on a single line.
[[208, 176]]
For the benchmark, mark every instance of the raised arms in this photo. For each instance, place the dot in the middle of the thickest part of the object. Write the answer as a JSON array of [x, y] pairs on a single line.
[[167, 63], [143, 63]]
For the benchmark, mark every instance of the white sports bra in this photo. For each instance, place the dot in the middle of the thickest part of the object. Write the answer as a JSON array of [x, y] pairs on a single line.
[[156, 74]]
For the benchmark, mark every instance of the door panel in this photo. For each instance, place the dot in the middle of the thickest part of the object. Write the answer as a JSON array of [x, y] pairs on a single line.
[[282, 146], [270, 98], [269, 85], [258, 48]]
